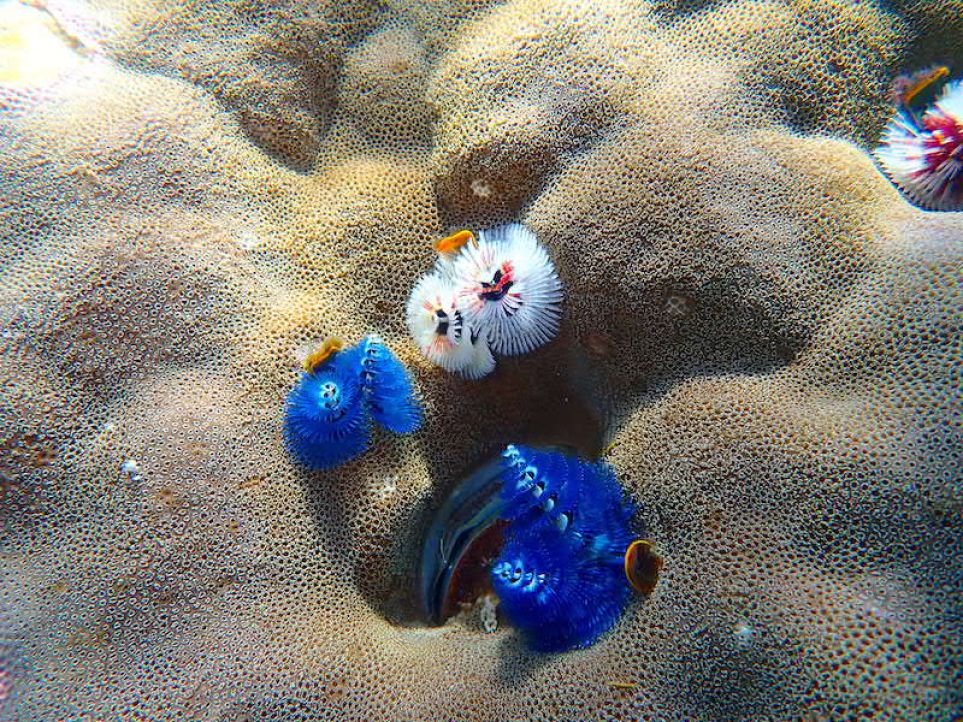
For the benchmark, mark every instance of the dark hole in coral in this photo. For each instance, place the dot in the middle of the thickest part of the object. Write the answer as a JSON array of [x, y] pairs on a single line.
[[461, 539], [470, 579]]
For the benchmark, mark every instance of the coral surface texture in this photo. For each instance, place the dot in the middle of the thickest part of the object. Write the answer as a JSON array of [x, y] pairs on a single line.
[[759, 333]]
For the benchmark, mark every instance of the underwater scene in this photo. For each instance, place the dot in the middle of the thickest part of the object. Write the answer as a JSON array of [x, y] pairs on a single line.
[[481, 360]]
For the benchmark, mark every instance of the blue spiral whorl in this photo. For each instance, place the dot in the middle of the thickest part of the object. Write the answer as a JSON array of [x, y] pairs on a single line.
[[560, 576], [326, 422], [391, 394], [329, 412]]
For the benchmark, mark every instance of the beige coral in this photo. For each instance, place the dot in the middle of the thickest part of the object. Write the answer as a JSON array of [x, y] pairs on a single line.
[[759, 331]]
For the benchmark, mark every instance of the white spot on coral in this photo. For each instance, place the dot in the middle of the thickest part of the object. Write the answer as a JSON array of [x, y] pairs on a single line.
[[387, 487], [132, 469], [744, 633], [677, 306], [487, 610], [248, 239], [481, 188]]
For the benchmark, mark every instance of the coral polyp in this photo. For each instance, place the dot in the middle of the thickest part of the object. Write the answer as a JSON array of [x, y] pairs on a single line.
[[924, 155], [494, 292], [329, 412], [566, 529]]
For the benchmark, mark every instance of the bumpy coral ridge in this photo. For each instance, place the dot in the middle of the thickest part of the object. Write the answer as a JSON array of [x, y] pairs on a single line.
[[759, 330]]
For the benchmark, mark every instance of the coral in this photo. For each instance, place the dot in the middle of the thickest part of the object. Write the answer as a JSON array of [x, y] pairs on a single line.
[[275, 65], [9, 671], [761, 335]]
